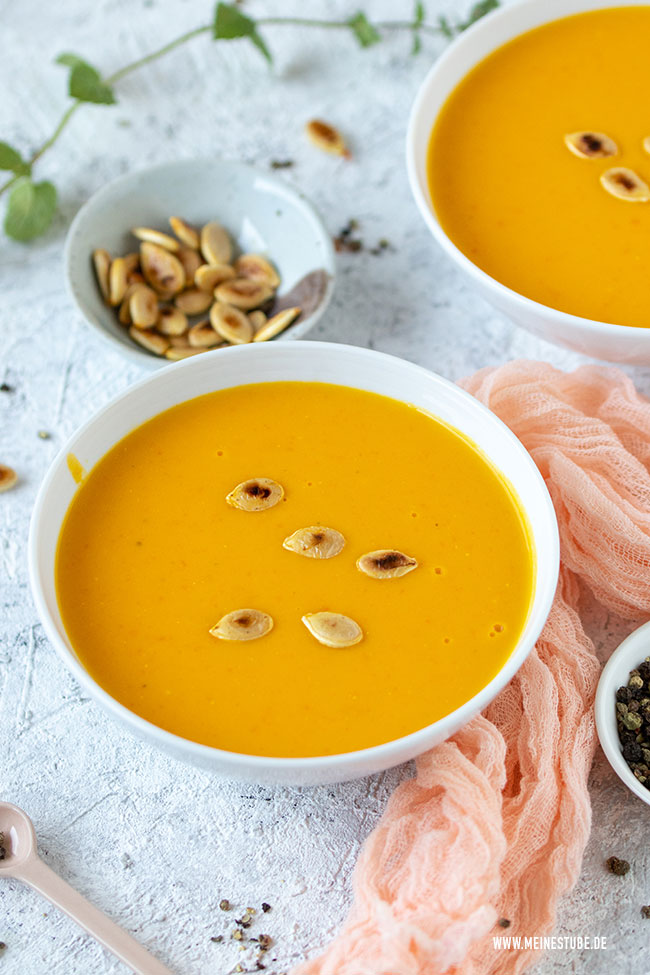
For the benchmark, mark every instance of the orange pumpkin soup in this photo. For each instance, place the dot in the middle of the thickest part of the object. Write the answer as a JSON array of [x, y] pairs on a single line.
[[151, 556], [513, 196]]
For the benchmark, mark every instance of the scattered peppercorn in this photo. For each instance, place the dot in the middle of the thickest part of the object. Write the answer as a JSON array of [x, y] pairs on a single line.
[[266, 907], [224, 905], [3, 852], [44, 435], [6, 388], [617, 866], [645, 911], [2, 946], [633, 721], [265, 941], [237, 935], [345, 241], [217, 939], [281, 163], [504, 922]]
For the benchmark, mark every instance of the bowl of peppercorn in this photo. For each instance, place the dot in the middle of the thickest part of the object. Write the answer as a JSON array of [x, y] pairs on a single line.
[[623, 711]]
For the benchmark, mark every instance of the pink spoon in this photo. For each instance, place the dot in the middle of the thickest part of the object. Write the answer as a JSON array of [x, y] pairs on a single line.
[[23, 862]]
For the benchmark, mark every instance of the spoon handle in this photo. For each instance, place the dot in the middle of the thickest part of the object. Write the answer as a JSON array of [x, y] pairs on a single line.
[[38, 875]]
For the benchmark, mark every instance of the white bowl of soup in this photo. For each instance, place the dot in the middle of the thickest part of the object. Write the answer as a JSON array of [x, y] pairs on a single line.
[[398, 504], [494, 174]]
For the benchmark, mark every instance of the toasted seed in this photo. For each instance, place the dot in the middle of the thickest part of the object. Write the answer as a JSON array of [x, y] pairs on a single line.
[[124, 314], [386, 563], [156, 237], [8, 477], [625, 184], [316, 542], [179, 341], [258, 268], [257, 318], [208, 276], [216, 245], [590, 145], [244, 293], [102, 265], [132, 261], [193, 301], [191, 261], [203, 336], [175, 355], [117, 282], [172, 321], [276, 324], [185, 233], [143, 306], [256, 494], [333, 629], [243, 624], [163, 271], [327, 138], [231, 323], [149, 340]]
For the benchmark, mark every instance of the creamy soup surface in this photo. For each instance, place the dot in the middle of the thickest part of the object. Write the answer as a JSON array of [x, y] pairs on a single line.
[[516, 201], [151, 556]]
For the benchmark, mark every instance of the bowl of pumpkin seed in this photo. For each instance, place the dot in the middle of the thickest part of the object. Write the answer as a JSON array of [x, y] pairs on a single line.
[[196, 255]]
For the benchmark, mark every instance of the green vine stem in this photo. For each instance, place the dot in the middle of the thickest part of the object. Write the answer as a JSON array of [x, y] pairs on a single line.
[[235, 24]]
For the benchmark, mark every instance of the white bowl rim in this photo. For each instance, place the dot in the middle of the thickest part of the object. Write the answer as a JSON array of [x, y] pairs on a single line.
[[343, 761], [627, 656], [135, 353], [579, 324]]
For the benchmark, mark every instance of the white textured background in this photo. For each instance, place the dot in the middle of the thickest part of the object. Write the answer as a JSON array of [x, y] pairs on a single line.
[[154, 843]]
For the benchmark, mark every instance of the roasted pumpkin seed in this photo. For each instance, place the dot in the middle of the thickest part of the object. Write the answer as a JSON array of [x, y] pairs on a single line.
[[386, 563], [257, 268], [257, 318], [8, 477], [276, 324], [175, 355], [172, 321], [124, 314], [102, 264], [590, 145], [193, 301], [256, 494], [143, 306], [208, 276], [243, 624], [156, 237], [625, 184], [231, 323], [333, 629], [191, 261], [316, 542], [163, 270], [244, 293], [185, 233], [149, 340], [117, 281], [216, 245], [203, 336], [327, 138]]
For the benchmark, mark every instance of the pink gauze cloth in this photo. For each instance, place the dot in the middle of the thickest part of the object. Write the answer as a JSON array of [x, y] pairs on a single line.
[[495, 821]]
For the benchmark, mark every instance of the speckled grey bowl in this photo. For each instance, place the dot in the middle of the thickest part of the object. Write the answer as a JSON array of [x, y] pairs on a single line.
[[262, 213]]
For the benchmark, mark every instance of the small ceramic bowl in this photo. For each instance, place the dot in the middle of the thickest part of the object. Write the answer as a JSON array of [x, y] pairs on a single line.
[[616, 673], [262, 213], [616, 343], [294, 361]]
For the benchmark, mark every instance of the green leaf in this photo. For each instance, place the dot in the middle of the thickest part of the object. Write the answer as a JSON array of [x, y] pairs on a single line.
[[417, 44], [85, 81], [230, 23], [445, 28], [479, 10], [12, 160], [363, 30], [419, 15], [30, 211]]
